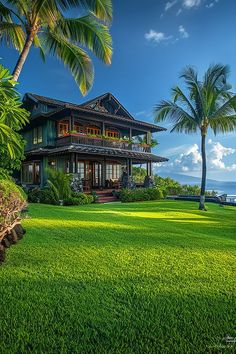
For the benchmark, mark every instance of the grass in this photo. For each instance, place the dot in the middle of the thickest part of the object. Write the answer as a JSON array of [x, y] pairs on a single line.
[[152, 277]]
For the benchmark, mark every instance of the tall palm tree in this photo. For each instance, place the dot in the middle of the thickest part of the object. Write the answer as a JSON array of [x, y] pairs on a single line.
[[206, 104], [42, 24]]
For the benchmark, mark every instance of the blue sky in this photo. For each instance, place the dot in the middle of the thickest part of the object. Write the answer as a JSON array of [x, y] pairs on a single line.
[[153, 41]]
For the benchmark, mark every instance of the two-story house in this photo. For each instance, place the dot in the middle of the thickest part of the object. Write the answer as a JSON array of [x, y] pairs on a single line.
[[97, 139]]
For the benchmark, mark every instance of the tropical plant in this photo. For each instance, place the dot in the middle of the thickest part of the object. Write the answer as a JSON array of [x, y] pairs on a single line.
[[59, 183], [143, 140], [12, 118], [42, 24], [207, 104]]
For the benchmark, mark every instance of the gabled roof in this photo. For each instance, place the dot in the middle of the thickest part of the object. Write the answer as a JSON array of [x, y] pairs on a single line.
[[43, 99], [99, 104], [96, 106]]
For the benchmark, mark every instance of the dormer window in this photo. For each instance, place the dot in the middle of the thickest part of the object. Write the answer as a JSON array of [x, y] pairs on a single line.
[[112, 133], [63, 128], [93, 130]]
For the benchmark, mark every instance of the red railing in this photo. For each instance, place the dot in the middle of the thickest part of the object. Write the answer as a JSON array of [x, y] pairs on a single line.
[[97, 141]]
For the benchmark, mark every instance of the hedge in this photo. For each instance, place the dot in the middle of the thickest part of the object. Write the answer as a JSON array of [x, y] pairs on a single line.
[[140, 194]]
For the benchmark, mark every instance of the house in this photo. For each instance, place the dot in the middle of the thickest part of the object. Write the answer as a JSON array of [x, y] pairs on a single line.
[[98, 140]]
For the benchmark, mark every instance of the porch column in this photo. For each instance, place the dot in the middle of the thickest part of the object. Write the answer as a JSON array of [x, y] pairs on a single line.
[[103, 128], [130, 133], [71, 122], [147, 168], [72, 163], [76, 163], [129, 167], [103, 173], [150, 168]]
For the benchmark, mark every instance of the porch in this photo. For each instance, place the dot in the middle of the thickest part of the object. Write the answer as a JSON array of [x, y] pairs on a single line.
[[94, 172]]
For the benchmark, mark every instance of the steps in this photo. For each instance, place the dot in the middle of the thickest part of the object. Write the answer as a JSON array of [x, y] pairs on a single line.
[[106, 196]]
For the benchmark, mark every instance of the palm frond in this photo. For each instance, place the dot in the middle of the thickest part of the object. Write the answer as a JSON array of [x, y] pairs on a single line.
[[73, 57], [216, 76], [180, 118], [226, 109], [5, 13], [89, 32], [178, 94], [194, 86], [184, 126], [223, 124], [47, 12], [12, 34], [37, 44], [102, 9]]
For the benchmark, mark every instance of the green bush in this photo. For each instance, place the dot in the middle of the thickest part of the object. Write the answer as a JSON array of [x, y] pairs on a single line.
[[140, 194], [79, 199], [44, 196]]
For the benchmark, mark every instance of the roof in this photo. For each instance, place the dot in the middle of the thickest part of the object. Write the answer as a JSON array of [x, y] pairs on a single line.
[[94, 150], [84, 107]]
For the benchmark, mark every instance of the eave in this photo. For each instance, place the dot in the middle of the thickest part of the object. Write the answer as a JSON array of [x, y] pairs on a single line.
[[87, 149]]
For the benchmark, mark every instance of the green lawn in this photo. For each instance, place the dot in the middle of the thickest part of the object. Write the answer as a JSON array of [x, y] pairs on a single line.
[[152, 277]]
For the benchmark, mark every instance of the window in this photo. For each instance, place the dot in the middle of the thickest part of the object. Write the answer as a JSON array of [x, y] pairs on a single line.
[[31, 173], [38, 135], [113, 171], [81, 169], [112, 133], [63, 128], [37, 173], [93, 130], [79, 128]]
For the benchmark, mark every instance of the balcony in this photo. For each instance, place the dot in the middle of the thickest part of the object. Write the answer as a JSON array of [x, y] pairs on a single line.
[[83, 139]]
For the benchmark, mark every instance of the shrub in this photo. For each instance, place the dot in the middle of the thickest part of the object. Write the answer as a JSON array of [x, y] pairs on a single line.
[[140, 194], [79, 199], [12, 201], [44, 196]]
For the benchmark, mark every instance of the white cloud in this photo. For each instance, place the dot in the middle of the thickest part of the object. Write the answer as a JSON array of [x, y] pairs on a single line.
[[156, 37], [216, 154], [212, 4], [188, 4], [189, 160], [183, 32], [179, 12], [170, 4]]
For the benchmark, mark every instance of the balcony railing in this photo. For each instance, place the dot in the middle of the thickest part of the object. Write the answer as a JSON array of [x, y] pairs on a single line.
[[96, 141]]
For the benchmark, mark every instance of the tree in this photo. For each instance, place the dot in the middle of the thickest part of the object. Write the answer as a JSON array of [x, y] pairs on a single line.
[[42, 24], [207, 104], [12, 118]]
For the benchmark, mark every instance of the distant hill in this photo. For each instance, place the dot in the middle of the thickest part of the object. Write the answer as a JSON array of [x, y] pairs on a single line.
[[219, 186]]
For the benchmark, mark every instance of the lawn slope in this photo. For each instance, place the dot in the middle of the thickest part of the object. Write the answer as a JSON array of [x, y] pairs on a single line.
[[121, 278]]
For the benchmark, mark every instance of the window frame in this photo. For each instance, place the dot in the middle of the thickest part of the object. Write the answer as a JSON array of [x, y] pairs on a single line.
[[38, 135], [93, 130], [112, 133], [65, 131]]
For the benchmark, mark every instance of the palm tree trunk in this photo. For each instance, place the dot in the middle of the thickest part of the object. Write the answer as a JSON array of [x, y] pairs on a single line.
[[204, 170], [23, 56]]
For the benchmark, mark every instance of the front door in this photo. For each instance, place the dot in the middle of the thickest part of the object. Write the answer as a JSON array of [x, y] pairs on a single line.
[[96, 174], [92, 174]]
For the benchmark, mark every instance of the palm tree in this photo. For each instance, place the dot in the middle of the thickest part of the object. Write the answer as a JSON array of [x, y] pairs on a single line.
[[42, 24], [207, 104]]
